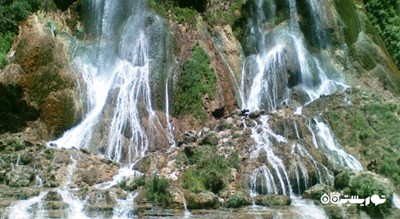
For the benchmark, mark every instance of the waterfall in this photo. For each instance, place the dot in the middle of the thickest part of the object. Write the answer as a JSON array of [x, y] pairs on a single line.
[[75, 205], [124, 207], [275, 169], [124, 172], [396, 201], [170, 128], [26, 208], [332, 149], [284, 71], [281, 48], [115, 73]]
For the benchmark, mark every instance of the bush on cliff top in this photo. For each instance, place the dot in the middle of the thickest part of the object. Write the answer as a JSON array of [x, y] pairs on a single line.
[[385, 16], [11, 13]]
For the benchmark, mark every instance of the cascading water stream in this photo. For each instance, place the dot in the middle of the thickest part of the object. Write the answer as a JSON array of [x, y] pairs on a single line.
[[27, 208], [266, 86], [75, 205], [115, 73], [332, 149], [170, 128], [275, 169], [124, 208], [396, 201]]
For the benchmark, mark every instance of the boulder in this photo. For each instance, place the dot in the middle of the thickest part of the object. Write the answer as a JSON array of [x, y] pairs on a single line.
[[202, 200], [315, 192], [273, 200], [256, 114], [210, 139], [20, 176]]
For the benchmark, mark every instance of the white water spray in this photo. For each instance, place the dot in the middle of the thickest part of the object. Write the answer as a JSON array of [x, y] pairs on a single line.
[[116, 85], [25, 208]]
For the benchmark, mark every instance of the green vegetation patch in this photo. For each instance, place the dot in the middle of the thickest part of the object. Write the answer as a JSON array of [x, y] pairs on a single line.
[[348, 12], [211, 172], [372, 129], [236, 201], [157, 190], [230, 14], [172, 9], [385, 16], [197, 80], [11, 13], [365, 185], [134, 184], [6, 40]]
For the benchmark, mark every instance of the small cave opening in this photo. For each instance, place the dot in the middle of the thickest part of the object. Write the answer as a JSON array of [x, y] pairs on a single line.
[[218, 113], [198, 5], [189, 151], [63, 5], [294, 78], [15, 112]]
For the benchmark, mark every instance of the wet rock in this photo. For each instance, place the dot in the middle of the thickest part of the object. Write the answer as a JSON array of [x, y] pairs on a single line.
[[7, 192], [202, 200], [20, 176], [91, 170], [210, 139], [236, 112], [250, 123], [188, 137], [101, 198], [229, 121], [256, 114], [273, 200], [143, 165], [53, 196], [42, 71], [315, 192], [262, 156], [178, 199], [299, 94]]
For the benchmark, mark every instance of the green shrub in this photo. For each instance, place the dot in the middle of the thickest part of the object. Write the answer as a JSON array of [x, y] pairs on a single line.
[[235, 201], [160, 7], [11, 13], [365, 186], [135, 184], [192, 180], [197, 80], [385, 16], [180, 14], [156, 190], [211, 171], [6, 40], [224, 17], [374, 133], [234, 160], [184, 15], [213, 179], [49, 153], [3, 60]]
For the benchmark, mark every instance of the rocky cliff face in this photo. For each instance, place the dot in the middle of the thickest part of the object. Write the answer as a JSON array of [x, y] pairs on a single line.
[[41, 79], [213, 161]]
